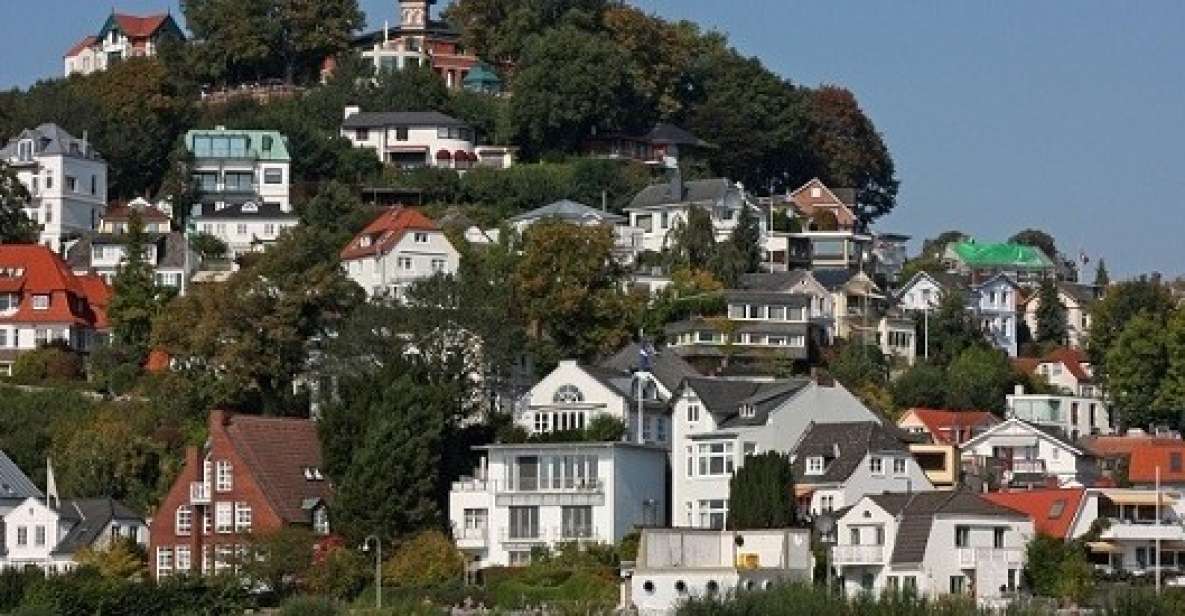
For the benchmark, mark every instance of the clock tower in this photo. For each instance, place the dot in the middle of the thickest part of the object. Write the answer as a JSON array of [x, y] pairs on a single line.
[[415, 14]]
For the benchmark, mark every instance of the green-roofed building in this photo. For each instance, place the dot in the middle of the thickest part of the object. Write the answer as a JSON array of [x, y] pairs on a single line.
[[242, 179], [1025, 264], [483, 79]]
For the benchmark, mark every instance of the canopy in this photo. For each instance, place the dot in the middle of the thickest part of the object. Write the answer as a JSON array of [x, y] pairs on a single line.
[[443, 155], [1102, 547], [1138, 497]]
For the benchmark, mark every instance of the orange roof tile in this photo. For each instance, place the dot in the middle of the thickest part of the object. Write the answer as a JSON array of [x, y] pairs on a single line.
[[1042, 506], [941, 423], [86, 42], [139, 27], [1144, 461], [384, 232], [34, 270]]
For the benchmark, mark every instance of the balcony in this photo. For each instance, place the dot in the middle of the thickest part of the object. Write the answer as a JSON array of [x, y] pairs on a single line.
[[1143, 530], [531, 485], [972, 558], [552, 534], [859, 555], [1028, 466], [199, 493], [472, 538]]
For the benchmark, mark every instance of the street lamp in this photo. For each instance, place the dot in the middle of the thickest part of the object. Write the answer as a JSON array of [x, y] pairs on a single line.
[[378, 567], [825, 527]]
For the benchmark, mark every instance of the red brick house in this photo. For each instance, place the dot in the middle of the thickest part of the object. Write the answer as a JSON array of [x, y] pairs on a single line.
[[254, 475]]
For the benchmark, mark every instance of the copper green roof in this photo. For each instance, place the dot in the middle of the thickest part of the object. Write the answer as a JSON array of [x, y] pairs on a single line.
[[266, 145], [481, 75], [975, 254]]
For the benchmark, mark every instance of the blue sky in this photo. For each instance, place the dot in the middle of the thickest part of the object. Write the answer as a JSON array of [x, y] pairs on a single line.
[[1063, 115]]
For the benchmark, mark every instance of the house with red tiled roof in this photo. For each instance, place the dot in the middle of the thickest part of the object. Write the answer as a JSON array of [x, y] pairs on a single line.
[[122, 36], [397, 248], [254, 475], [1135, 457], [1066, 368], [1053, 510], [42, 301], [946, 427]]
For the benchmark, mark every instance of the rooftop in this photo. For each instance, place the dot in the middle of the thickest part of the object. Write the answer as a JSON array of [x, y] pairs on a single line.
[[1051, 509], [385, 231], [1004, 254]]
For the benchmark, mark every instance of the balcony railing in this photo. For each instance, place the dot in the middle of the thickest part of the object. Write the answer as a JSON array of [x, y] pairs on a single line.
[[520, 484], [1028, 466], [471, 537], [543, 534], [1143, 530], [970, 558], [199, 493], [859, 554]]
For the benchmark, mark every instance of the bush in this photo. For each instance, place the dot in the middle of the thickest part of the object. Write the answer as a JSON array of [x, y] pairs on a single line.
[[339, 573], [311, 606], [47, 364], [429, 559]]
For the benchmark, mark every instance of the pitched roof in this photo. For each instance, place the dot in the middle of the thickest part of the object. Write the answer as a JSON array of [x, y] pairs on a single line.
[[694, 191], [1123, 445], [568, 210], [14, 483], [85, 43], [1145, 459], [665, 365], [32, 269], [1051, 509], [665, 133], [134, 26], [1053, 432], [50, 140], [1084, 294], [98, 296], [917, 511], [369, 119], [91, 516], [247, 207], [942, 423], [773, 281], [385, 231], [725, 397], [1072, 359], [170, 248], [833, 278], [841, 200], [278, 450], [123, 211], [843, 447], [1003, 254]]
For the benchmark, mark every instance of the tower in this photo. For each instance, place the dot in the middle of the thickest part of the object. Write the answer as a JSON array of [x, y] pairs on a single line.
[[415, 14]]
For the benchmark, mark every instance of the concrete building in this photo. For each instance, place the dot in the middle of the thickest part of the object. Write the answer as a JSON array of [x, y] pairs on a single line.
[[1072, 416], [416, 139], [1016, 453]]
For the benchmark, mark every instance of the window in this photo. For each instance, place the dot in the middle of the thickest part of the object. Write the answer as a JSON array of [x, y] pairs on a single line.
[[94, 185], [438, 265], [241, 229], [879, 536], [9, 301], [814, 465], [876, 465], [713, 513], [405, 263], [714, 459], [273, 175], [577, 522], [524, 522], [321, 521], [749, 449], [660, 429], [664, 220], [184, 562], [224, 512], [568, 394], [997, 537], [756, 312], [421, 238], [183, 520], [242, 517], [269, 230], [3, 337], [39, 535], [777, 313], [519, 558], [854, 536], [22, 535], [71, 183], [476, 519], [401, 133], [1175, 461], [958, 584], [898, 466], [24, 150], [223, 476], [164, 560], [362, 134], [962, 536], [40, 302], [736, 311], [692, 412]]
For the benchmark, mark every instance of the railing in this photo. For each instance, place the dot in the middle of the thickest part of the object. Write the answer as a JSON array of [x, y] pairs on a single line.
[[858, 554], [1145, 530], [976, 557], [543, 485], [555, 533], [1028, 466], [471, 537], [199, 493]]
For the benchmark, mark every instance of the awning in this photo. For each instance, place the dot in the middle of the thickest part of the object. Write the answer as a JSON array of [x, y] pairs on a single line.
[[803, 491], [1138, 497], [1102, 547]]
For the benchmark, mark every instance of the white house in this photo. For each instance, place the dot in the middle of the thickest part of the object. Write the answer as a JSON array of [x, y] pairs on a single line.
[[837, 464], [660, 208], [1073, 416], [994, 302], [414, 139], [243, 182], [677, 564], [931, 543], [122, 36], [1078, 300], [396, 249], [168, 251], [627, 241], [1018, 453], [718, 422], [1067, 369], [65, 177]]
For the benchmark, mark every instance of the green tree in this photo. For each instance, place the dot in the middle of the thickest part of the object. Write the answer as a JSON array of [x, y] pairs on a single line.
[[693, 242], [121, 559], [1037, 239], [570, 83], [923, 385], [920, 264], [1056, 568], [1135, 364], [746, 238], [278, 558], [761, 493], [857, 365], [311, 30], [1170, 394], [15, 227], [1052, 326], [390, 485], [952, 328], [1101, 277], [208, 246], [428, 559], [1110, 315], [500, 30], [337, 209], [980, 378], [935, 246], [136, 300]]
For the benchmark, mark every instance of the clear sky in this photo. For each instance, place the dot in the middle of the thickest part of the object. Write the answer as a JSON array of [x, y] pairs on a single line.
[[1065, 115]]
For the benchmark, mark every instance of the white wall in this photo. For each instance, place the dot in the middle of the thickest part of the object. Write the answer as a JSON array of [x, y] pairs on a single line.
[[54, 206], [1059, 461], [376, 274]]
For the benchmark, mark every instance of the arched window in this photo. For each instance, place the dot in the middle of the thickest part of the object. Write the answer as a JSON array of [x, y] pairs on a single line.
[[568, 394]]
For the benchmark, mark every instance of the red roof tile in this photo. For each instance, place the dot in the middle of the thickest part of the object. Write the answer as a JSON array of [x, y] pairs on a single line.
[[158, 361], [33, 270], [1042, 506], [86, 42], [278, 451], [385, 232], [1144, 460], [140, 27], [1072, 359], [941, 423], [98, 296]]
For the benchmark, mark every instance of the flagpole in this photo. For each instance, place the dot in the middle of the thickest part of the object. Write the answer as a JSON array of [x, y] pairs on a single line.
[[1156, 552], [641, 410]]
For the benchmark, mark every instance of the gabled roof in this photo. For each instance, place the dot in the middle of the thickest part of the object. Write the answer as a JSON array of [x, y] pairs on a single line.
[[665, 365], [32, 269], [90, 516], [942, 423], [134, 26], [943, 280], [1048, 432], [1084, 294], [481, 74], [278, 451], [694, 191], [86, 43], [385, 231], [1072, 359], [725, 397], [843, 447], [917, 510], [14, 483], [50, 140], [1052, 510], [568, 210], [1000, 277], [371, 119], [1003, 254], [833, 278], [773, 281], [123, 211], [841, 200]]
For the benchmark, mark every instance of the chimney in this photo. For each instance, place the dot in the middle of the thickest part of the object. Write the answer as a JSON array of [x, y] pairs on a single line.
[[219, 417], [1018, 390], [352, 110], [676, 188]]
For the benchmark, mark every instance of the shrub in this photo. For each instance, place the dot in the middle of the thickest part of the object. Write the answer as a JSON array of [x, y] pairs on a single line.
[[340, 573], [47, 364], [311, 606], [429, 559]]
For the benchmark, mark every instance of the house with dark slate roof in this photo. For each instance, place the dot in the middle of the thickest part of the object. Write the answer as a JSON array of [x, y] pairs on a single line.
[[418, 139], [837, 464], [932, 544], [719, 422], [660, 208]]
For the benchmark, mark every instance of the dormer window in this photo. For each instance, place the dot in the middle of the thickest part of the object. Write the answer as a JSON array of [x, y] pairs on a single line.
[[747, 410], [421, 238], [364, 241], [24, 150], [814, 465], [568, 394], [9, 301], [40, 302], [250, 208]]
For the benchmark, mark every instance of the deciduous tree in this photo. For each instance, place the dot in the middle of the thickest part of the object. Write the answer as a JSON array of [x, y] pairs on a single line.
[[1135, 364], [136, 300], [15, 227], [1037, 239], [979, 378], [1110, 315]]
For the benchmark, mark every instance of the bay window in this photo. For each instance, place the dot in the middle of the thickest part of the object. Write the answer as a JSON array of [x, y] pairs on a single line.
[[714, 459]]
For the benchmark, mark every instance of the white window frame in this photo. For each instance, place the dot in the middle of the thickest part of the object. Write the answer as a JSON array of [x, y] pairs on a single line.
[[41, 301], [876, 465], [183, 520], [164, 560], [692, 413], [182, 558], [224, 517], [814, 465], [223, 476], [242, 517], [900, 467]]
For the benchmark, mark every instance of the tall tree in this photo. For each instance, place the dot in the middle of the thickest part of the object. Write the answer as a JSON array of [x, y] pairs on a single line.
[[136, 301], [934, 247], [1170, 394], [311, 30], [1110, 315], [1135, 364], [857, 365], [693, 241], [1052, 326], [15, 227], [499, 30], [746, 237], [1037, 239], [1101, 277], [979, 378], [761, 493], [923, 385], [952, 329]]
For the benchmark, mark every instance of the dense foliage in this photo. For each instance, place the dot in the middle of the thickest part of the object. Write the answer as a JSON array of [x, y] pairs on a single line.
[[761, 493]]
